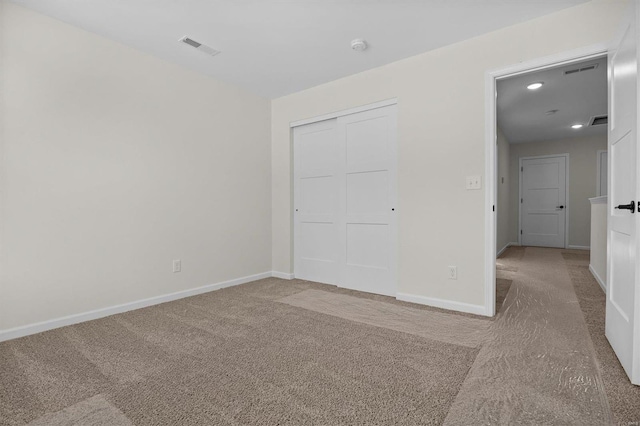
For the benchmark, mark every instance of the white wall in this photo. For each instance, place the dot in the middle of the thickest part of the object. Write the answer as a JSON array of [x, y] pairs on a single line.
[[441, 140], [503, 236], [113, 164], [582, 180]]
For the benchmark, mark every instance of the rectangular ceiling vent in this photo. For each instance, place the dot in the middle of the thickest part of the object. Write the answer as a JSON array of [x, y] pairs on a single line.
[[199, 46], [581, 69], [599, 120]]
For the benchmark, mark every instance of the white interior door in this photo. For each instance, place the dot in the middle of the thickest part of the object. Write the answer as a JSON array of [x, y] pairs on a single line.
[[316, 187], [344, 200], [543, 196], [369, 227], [623, 259]]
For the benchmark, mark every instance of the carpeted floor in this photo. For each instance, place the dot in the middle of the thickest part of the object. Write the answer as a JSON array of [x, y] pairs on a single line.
[[295, 352], [236, 356], [624, 398]]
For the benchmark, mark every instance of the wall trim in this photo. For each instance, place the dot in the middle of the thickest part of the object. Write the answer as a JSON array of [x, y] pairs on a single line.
[[570, 246], [443, 304], [282, 275], [603, 286], [502, 250], [344, 112], [25, 330]]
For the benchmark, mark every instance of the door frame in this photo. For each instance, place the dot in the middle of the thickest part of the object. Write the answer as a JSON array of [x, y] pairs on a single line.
[[330, 116], [599, 154], [566, 201], [491, 134]]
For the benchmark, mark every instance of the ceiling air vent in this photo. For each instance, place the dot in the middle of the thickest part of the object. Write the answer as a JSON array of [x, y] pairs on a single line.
[[201, 47], [582, 68], [599, 120]]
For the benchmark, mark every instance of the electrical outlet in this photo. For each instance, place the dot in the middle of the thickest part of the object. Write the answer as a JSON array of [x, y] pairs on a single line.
[[177, 265], [474, 182], [453, 272]]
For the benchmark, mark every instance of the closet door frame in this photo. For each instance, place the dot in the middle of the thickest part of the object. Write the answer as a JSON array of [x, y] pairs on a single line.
[[334, 115]]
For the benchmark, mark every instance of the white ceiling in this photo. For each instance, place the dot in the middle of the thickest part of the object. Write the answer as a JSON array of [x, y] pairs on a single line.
[[577, 97], [274, 48]]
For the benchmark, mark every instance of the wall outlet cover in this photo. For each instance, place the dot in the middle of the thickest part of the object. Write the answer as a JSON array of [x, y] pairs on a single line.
[[453, 272], [474, 182]]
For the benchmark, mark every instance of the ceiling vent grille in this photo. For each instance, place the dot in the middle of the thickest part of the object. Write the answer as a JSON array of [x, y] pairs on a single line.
[[199, 46], [599, 120], [582, 68]]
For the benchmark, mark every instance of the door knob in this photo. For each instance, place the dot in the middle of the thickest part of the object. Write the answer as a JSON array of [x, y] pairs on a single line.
[[559, 207], [631, 207]]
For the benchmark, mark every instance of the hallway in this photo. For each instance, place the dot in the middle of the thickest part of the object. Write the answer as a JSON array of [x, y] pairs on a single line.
[[548, 361]]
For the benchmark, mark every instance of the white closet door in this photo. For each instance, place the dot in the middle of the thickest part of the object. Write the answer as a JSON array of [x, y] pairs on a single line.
[[367, 199], [316, 189]]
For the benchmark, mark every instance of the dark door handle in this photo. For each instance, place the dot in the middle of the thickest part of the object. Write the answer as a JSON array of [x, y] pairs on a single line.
[[559, 207], [631, 207]]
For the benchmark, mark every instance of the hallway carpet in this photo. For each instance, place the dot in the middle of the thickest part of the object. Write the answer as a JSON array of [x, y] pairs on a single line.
[[624, 398], [301, 353]]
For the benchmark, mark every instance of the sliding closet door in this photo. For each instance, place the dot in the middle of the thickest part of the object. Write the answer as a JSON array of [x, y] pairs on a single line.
[[316, 189], [368, 201], [344, 201]]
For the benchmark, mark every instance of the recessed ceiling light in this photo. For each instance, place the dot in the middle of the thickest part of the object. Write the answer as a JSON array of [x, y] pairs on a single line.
[[535, 86], [576, 126]]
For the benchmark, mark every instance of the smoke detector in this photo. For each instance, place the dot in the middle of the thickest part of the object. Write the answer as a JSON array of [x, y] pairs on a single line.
[[199, 46], [358, 45]]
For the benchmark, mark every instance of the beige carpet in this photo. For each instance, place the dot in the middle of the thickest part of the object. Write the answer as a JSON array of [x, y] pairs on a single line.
[[539, 366], [235, 356], [624, 398], [94, 411], [300, 353], [442, 327]]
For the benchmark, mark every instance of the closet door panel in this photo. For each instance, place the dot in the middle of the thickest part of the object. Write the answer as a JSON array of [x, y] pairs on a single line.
[[368, 229], [316, 186]]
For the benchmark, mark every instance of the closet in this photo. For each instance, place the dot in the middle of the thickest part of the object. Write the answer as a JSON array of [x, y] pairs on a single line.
[[345, 213]]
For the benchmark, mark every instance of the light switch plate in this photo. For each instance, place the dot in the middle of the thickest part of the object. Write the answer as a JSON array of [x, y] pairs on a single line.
[[474, 182]]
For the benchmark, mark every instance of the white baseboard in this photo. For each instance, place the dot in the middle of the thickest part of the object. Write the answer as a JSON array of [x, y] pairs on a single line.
[[25, 330], [443, 304], [578, 247], [506, 247], [282, 275], [603, 285]]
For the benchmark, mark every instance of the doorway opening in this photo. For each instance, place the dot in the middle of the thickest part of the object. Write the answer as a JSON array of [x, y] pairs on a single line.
[[546, 130]]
